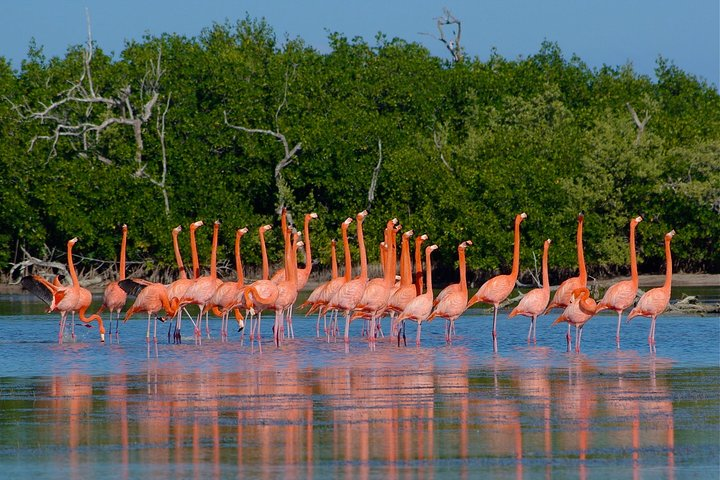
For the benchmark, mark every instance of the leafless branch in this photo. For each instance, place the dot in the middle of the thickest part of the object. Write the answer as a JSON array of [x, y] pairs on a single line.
[[439, 140], [284, 191], [453, 45], [376, 173], [638, 123], [82, 115]]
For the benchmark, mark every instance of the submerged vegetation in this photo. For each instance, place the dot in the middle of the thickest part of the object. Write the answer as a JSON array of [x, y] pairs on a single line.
[[232, 124]]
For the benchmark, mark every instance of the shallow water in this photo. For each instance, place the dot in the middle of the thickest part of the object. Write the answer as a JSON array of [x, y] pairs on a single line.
[[84, 409]]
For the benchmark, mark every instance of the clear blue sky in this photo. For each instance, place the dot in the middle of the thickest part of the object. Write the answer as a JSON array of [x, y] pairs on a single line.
[[611, 32]]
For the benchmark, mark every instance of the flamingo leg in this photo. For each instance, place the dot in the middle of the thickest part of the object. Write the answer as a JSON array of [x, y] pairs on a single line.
[[568, 337], [417, 337], [147, 335], [532, 321], [617, 334], [155, 330], [72, 326], [347, 326], [63, 319], [494, 330]]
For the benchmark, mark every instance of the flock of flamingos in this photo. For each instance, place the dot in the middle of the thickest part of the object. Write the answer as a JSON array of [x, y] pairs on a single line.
[[357, 298]]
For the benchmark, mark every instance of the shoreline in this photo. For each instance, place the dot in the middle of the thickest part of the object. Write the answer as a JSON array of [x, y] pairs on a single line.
[[644, 282]]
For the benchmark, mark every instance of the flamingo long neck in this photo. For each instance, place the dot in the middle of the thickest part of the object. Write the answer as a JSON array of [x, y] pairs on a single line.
[[178, 258], [668, 266], [389, 270], [122, 253], [580, 253], [289, 246], [238, 261], [263, 249], [545, 274], [308, 253], [418, 265], [333, 260], [428, 271], [633, 258], [405, 269], [463, 275], [346, 250], [516, 249], [71, 265], [213, 251], [363, 253], [194, 253]]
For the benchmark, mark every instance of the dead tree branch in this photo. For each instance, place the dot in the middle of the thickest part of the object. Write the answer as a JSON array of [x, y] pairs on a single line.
[[440, 140], [284, 190], [83, 115], [376, 173], [452, 45], [638, 123]]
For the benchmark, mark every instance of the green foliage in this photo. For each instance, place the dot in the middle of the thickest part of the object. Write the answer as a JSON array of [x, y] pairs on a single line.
[[465, 147]]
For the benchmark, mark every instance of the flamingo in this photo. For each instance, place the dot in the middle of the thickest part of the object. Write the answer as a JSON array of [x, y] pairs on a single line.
[[400, 298], [178, 288], [115, 297], [377, 292], [316, 294], [224, 298], [535, 301], [72, 298], [151, 297], [332, 288], [260, 295], [203, 288], [622, 294], [562, 296], [497, 289], [287, 291], [350, 293], [453, 298], [419, 308], [418, 264], [578, 312], [655, 301], [303, 274]]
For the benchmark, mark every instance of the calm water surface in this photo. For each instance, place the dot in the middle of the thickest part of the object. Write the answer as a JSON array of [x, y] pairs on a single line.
[[310, 409]]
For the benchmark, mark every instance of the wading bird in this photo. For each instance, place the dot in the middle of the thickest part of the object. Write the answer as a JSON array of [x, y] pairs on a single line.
[[535, 301]]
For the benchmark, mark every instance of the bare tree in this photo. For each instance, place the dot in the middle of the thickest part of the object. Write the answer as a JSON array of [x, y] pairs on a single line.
[[84, 116], [284, 190], [440, 140], [638, 123], [452, 45]]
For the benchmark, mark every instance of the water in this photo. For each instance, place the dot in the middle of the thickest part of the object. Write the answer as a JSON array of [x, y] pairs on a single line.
[[310, 409]]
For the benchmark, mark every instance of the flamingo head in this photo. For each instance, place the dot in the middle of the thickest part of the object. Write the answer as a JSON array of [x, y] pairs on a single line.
[[548, 242], [311, 215], [637, 219], [431, 248], [424, 237], [361, 216], [333, 242], [523, 216], [216, 223], [177, 230], [265, 228], [408, 234], [581, 217], [348, 221], [579, 293], [72, 241], [124, 227], [242, 231], [465, 244], [669, 235], [197, 224]]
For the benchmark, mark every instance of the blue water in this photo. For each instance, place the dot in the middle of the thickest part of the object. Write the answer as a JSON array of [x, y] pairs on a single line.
[[311, 408]]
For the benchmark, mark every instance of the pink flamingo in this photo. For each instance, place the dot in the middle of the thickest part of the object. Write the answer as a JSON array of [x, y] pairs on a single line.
[[303, 274], [350, 293], [622, 294], [261, 294], [418, 264], [203, 288], [578, 312], [115, 297], [419, 308], [150, 298], [535, 301], [224, 299], [407, 290], [332, 288], [65, 299], [177, 289], [377, 292], [562, 296], [453, 298], [316, 294], [497, 289], [287, 291], [655, 301]]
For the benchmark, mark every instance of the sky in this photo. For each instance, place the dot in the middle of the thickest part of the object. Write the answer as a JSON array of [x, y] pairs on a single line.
[[600, 32]]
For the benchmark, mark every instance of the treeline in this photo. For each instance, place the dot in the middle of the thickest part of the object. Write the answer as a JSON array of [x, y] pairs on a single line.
[[231, 124]]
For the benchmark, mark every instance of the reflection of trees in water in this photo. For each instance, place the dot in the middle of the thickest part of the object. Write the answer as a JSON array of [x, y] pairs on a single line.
[[280, 417]]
